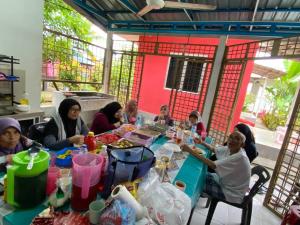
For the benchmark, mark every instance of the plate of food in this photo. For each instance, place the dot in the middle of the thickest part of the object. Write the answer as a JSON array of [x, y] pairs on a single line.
[[197, 150]]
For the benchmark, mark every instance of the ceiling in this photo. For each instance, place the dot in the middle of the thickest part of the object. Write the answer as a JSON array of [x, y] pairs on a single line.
[[263, 18]]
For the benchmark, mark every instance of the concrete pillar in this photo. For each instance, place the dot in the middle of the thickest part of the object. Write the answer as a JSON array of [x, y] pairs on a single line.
[[216, 72], [108, 61]]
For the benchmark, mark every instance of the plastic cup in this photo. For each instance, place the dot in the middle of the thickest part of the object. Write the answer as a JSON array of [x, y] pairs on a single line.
[[180, 185], [179, 136], [95, 209], [53, 175]]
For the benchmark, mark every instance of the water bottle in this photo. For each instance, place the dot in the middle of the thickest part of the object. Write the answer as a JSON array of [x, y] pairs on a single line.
[[138, 122], [83, 149]]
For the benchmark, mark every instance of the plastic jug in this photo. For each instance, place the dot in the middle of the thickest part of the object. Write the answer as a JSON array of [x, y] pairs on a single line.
[[85, 178], [26, 188], [90, 141]]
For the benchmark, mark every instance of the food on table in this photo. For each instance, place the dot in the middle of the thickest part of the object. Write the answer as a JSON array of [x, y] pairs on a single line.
[[125, 128], [107, 138], [148, 132], [123, 143], [139, 138], [198, 150]]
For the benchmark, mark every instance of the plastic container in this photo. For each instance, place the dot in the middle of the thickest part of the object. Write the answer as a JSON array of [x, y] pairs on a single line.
[[85, 178], [53, 175], [90, 141], [27, 188], [64, 158]]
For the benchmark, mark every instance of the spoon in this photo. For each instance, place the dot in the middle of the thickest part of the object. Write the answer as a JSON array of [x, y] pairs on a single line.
[[30, 164]]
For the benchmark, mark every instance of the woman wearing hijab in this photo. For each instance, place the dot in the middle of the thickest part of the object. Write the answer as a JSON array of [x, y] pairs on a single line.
[[131, 112], [66, 128], [108, 118], [249, 146], [11, 140], [164, 116]]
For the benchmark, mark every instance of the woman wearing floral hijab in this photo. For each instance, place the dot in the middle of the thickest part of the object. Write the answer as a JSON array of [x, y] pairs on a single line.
[[131, 112], [66, 128], [108, 118]]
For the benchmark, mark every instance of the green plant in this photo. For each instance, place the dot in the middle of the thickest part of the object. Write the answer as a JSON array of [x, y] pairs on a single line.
[[272, 121], [249, 100]]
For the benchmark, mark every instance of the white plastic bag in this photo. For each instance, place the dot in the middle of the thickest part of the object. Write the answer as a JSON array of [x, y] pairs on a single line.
[[166, 204]]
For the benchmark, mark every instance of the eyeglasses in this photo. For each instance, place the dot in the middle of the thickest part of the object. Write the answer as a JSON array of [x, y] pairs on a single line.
[[75, 110]]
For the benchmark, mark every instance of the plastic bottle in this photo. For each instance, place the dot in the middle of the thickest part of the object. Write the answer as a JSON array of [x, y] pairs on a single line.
[[90, 141], [138, 122]]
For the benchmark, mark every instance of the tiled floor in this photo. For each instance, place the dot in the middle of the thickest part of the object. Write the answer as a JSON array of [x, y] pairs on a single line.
[[228, 215]]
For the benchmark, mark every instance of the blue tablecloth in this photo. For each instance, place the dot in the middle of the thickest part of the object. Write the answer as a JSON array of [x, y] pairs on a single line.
[[192, 173]]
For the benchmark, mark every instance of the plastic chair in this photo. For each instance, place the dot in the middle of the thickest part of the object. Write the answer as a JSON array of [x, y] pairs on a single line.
[[36, 132], [292, 217], [246, 205]]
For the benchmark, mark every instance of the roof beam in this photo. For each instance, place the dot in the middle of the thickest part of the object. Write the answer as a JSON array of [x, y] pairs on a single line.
[[272, 29], [82, 4], [131, 8], [189, 15], [280, 9]]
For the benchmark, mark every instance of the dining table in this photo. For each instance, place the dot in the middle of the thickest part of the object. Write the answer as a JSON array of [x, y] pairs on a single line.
[[187, 169]]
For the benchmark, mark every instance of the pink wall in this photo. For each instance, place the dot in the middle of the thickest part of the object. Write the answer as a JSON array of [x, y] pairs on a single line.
[[153, 93]]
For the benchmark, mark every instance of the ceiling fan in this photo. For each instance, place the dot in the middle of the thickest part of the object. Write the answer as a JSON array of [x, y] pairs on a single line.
[[158, 4]]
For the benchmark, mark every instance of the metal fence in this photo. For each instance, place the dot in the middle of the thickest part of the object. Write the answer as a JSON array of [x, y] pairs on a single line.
[[71, 62]]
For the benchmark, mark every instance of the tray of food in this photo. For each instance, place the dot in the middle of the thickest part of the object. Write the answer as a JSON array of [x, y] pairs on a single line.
[[107, 138], [139, 139], [125, 128], [148, 132], [123, 143]]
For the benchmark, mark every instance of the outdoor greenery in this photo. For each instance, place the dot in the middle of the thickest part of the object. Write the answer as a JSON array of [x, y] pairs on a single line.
[[249, 101], [63, 52], [280, 94]]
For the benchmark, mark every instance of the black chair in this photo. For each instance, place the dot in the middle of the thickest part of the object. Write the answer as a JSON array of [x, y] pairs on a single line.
[[36, 132], [246, 205]]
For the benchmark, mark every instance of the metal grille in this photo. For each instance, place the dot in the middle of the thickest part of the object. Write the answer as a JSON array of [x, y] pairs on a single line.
[[126, 76], [284, 188], [189, 85], [275, 48], [165, 48], [187, 94], [225, 100], [71, 61]]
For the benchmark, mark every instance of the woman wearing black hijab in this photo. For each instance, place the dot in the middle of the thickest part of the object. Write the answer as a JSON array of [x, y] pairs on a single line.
[[66, 128], [108, 118], [249, 146]]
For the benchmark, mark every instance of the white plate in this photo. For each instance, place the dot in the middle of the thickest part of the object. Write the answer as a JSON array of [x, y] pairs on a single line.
[[174, 147]]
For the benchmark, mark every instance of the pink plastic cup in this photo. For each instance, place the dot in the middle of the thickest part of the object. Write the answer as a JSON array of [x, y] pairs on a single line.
[[53, 175]]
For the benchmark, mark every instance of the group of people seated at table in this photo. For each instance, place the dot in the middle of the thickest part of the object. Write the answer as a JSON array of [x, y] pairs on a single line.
[[230, 168]]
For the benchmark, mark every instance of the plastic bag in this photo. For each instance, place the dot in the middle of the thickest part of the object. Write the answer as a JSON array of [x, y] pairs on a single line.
[[119, 213], [166, 204]]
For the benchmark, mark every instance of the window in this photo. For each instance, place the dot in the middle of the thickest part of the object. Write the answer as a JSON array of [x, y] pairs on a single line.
[[184, 74]]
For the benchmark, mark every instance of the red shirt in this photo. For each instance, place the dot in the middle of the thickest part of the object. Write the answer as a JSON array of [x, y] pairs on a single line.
[[201, 130], [101, 124]]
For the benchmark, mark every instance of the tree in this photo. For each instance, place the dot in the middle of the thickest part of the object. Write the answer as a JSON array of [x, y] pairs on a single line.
[[67, 55], [60, 17]]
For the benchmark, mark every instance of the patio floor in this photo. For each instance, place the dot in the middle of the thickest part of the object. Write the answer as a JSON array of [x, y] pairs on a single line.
[[229, 215]]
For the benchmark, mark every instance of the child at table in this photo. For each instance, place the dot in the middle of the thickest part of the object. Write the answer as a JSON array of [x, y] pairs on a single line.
[[11, 140], [195, 122], [164, 117], [233, 171]]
